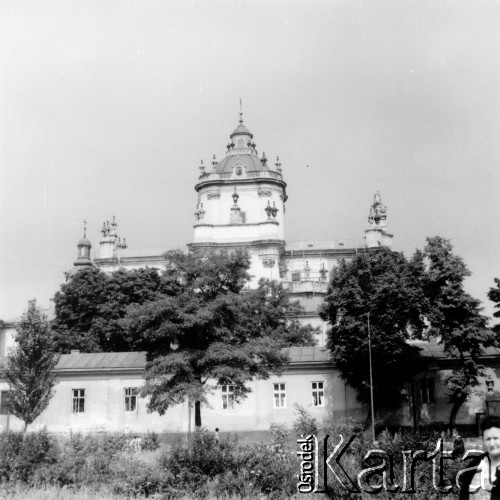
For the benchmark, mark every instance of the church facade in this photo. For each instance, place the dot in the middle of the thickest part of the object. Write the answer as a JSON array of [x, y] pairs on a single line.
[[241, 203]]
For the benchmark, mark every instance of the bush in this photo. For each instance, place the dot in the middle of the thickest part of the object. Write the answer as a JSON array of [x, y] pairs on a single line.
[[35, 451], [151, 442], [226, 468], [394, 444], [304, 424], [10, 444], [132, 477], [207, 457]]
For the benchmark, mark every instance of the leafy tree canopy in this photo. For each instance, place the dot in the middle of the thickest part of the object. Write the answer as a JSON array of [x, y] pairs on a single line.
[[90, 306], [420, 298], [383, 288], [455, 319], [30, 366], [494, 296], [213, 331]]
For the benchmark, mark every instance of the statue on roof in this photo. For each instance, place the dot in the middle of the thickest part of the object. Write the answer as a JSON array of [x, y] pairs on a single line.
[[378, 211]]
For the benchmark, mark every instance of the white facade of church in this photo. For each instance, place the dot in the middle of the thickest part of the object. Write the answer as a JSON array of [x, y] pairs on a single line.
[[241, 204]]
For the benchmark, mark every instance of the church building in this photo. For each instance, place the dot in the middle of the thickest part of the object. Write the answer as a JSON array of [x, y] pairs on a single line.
[[241, 203]]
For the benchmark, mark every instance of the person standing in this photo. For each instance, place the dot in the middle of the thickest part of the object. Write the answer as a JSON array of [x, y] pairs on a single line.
[[458, 445], [489, 465]]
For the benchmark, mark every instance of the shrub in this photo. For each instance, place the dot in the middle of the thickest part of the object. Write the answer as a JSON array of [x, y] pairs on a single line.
[[10, 444], [207, 457], [151, 442], [132, 477], [35, 451], [304, 424]]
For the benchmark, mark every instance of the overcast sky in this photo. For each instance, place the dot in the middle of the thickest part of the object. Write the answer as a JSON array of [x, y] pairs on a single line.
[[107, 107]]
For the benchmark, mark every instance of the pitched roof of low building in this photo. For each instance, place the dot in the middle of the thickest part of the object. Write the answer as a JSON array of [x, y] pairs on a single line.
[[136, 361]]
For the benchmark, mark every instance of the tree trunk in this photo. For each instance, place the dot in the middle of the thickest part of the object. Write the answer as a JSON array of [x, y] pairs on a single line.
[[25, 426], [368, 420], [454, 410], [197, 414], [413, 404]]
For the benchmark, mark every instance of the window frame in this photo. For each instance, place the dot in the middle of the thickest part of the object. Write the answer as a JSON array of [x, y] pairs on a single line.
[[129, 398], [5, 406], [227, 397], [428, 389], [318, 392], [279, 395], [79, 399]]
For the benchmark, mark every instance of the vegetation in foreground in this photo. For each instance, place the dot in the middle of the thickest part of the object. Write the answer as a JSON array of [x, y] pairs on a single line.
[[40, 466]]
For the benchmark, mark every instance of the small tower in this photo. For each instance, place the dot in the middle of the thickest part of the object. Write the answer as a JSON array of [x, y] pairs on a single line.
[[244, 196], [110, 242], [83, 260], [376, 234], [107, 243]]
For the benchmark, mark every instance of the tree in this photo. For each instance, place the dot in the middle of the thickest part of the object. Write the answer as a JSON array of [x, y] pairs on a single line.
[[213, 331], [89, 308], [384, 288], [494, 296], [30, 366], [455, 319]]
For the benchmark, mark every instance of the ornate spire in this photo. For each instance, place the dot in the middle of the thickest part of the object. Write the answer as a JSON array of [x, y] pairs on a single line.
[[274, 210], [278, 164], [378, 211], [236, 216], [264, 159], [268, 210], [235, 196], [84, 246], [376, 234]]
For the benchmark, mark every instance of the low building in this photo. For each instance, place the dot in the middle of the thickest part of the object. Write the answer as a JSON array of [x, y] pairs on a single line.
[[100, 392]]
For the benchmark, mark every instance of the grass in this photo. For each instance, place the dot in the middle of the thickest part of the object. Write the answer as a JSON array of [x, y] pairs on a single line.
[[17, 492]]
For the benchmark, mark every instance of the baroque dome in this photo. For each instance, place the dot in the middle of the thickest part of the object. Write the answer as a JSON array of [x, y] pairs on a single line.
[[84, 242], [241, 130], [247, 160]]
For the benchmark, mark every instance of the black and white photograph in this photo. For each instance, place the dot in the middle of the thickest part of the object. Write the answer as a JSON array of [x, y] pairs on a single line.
[[249, 249]]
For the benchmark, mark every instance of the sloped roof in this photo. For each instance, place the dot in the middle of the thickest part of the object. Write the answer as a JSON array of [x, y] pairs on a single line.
[[308, 354], [98, 361], [436, 351], [102, 360], [298, 355], [142, 252], [251, 162]]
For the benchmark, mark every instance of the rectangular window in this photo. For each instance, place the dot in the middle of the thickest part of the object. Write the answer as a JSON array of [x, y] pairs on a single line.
[[4, 402], [318, 394], [227, 397], [78, 400], [130, 398], [279, 396], [296, 276], [428, 390]]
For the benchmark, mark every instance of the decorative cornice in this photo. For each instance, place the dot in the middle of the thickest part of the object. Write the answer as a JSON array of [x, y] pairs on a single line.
[[246, 225], [247, 244], [252, 180]]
